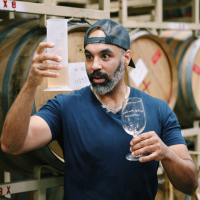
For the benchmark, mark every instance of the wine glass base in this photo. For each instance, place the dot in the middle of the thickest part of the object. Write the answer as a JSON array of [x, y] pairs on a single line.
[[131, 158]]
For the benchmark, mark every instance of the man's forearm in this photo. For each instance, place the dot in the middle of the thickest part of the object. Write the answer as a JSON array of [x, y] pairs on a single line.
[[181, 172], [17, 121]]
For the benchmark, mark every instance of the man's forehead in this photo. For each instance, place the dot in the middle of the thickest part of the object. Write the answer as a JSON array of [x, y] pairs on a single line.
[[97, 32], [101, 47]]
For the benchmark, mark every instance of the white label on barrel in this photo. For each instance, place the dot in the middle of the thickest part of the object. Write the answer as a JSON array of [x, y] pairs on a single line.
[[139, 73], [77, 76]]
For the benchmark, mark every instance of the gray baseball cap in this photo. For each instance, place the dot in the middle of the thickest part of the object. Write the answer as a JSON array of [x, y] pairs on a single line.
[[116, 34]]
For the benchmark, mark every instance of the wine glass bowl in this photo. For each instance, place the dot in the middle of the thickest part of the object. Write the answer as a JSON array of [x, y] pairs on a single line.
[[133, 119]]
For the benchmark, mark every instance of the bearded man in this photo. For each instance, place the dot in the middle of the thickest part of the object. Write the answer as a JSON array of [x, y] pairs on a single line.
[[87, 125]]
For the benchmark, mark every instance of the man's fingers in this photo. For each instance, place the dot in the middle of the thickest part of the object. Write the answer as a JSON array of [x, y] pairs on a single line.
[[147, 149], [48, 74], [43, 45], [141, 137], [46, 56], [147, 158], [46, 66], [144, 143]]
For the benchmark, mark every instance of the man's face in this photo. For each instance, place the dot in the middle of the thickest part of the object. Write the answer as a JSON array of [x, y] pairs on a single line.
[[104, 65]]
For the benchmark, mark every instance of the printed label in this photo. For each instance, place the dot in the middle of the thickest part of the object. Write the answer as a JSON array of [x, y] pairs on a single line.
[[196, 69], [5, 190], [156, 57], [8, 5], [139, 73], [77, 76]]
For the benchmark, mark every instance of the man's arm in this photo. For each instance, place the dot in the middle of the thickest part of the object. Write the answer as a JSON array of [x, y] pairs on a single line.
[[175, 159], [182, 173], [21, 132]]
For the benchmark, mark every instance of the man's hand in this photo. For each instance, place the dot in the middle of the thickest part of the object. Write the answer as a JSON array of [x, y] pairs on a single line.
[[148, 142], [39, 67], [175, 159]]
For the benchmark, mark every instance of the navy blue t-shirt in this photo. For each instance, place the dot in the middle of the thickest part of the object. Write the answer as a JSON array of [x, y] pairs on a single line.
[[95, 145]]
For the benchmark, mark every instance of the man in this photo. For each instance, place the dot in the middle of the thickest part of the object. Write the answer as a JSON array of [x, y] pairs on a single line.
[[87, 125]]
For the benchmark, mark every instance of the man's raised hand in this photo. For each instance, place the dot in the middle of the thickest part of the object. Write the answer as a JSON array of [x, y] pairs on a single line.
[[40, 65]]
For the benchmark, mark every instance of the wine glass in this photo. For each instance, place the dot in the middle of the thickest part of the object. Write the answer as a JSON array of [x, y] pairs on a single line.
[[133, 119]]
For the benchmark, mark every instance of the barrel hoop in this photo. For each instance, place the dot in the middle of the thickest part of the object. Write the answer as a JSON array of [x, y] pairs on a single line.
[[54, 161], [74, 25], [172, 37], [8, 71], [137, 35], [180, 92], [180, 44], [188, 76], [11, 28]]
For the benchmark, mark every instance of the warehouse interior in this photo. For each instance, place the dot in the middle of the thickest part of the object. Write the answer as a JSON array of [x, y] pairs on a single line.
[[165, 45]]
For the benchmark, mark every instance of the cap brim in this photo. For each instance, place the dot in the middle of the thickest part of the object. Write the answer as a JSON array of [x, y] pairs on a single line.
[[131, 63]]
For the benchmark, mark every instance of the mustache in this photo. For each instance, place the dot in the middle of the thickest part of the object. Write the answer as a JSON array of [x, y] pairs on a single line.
[[100, 74]]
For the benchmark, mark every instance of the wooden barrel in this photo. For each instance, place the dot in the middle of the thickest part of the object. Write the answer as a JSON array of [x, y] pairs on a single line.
[[18, 42], [185, 48], [157, 75]]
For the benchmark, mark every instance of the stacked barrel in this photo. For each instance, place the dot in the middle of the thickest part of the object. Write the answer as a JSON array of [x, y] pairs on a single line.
[[153, 57], [19, 39], [173, 71], [185, 48]]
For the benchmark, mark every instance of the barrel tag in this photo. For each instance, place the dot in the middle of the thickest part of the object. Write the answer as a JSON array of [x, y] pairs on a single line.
[[77, 76], [156, 57], [80, 48], [139, 73], [196, 69]]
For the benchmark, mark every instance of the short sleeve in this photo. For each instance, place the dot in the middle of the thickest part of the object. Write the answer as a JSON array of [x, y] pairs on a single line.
[[51, 113], [171, 130]]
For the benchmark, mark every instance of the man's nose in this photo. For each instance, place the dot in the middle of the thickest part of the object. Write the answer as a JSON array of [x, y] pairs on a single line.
[[96, 64]]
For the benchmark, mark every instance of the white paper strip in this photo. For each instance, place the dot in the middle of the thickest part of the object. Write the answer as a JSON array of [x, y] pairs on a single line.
[[139, 73], [8, 5], [77, 76], [178, 26]]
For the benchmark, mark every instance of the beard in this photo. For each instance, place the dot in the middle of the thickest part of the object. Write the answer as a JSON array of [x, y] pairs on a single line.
[[109, 83]]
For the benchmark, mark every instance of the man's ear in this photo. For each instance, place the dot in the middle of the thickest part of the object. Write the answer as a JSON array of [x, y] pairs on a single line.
[[127, 57]]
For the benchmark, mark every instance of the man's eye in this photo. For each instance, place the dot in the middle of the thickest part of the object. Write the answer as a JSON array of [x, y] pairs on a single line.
[[105, 56], [88, 57]]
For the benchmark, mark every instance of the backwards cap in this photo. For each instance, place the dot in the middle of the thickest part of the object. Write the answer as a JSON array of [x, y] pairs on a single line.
[[116, 34]]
